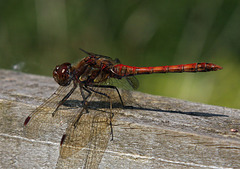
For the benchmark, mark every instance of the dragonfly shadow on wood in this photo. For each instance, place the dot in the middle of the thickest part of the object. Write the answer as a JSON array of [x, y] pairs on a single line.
[[95, 105], [192, 113]]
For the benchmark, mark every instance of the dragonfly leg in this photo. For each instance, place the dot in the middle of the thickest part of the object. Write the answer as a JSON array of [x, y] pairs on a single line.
[[85, 97], [77, 118], [89, 92], [84, 103], [111, 87], [64, 99], [111, 113], [111, 117]]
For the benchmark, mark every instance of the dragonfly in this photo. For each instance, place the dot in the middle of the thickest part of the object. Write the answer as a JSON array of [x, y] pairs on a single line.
[[89, 123]]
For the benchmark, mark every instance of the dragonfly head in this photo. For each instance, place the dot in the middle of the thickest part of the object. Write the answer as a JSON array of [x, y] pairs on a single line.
[[62, 74]]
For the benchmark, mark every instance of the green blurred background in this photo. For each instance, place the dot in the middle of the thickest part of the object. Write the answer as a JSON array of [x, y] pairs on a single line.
[[37, 35]]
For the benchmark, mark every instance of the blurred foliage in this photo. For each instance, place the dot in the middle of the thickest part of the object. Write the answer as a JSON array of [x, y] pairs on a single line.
[[37, 35]]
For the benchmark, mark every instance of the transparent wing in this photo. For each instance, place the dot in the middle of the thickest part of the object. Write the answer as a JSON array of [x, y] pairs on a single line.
[[41, 125], [132, 80], [101, 134], [85, 145], [125, 88], [88, 135]]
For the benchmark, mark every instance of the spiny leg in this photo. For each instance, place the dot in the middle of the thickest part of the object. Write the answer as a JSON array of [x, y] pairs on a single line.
[[111, 114], [84, 103], [111, 87], [85, 97], [77, 118], [89, 92], [65, 98]]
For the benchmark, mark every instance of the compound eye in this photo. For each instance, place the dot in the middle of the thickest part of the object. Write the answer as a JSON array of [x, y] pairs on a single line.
[[62, 74]]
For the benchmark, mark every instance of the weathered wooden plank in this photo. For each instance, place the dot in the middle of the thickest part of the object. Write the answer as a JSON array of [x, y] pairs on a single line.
[[154, 132]]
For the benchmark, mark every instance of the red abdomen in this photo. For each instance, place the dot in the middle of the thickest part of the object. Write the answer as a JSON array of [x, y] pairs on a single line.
[[124, 70]]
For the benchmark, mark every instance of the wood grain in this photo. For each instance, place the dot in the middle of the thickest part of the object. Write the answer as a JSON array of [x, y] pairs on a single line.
[[151, 132]]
